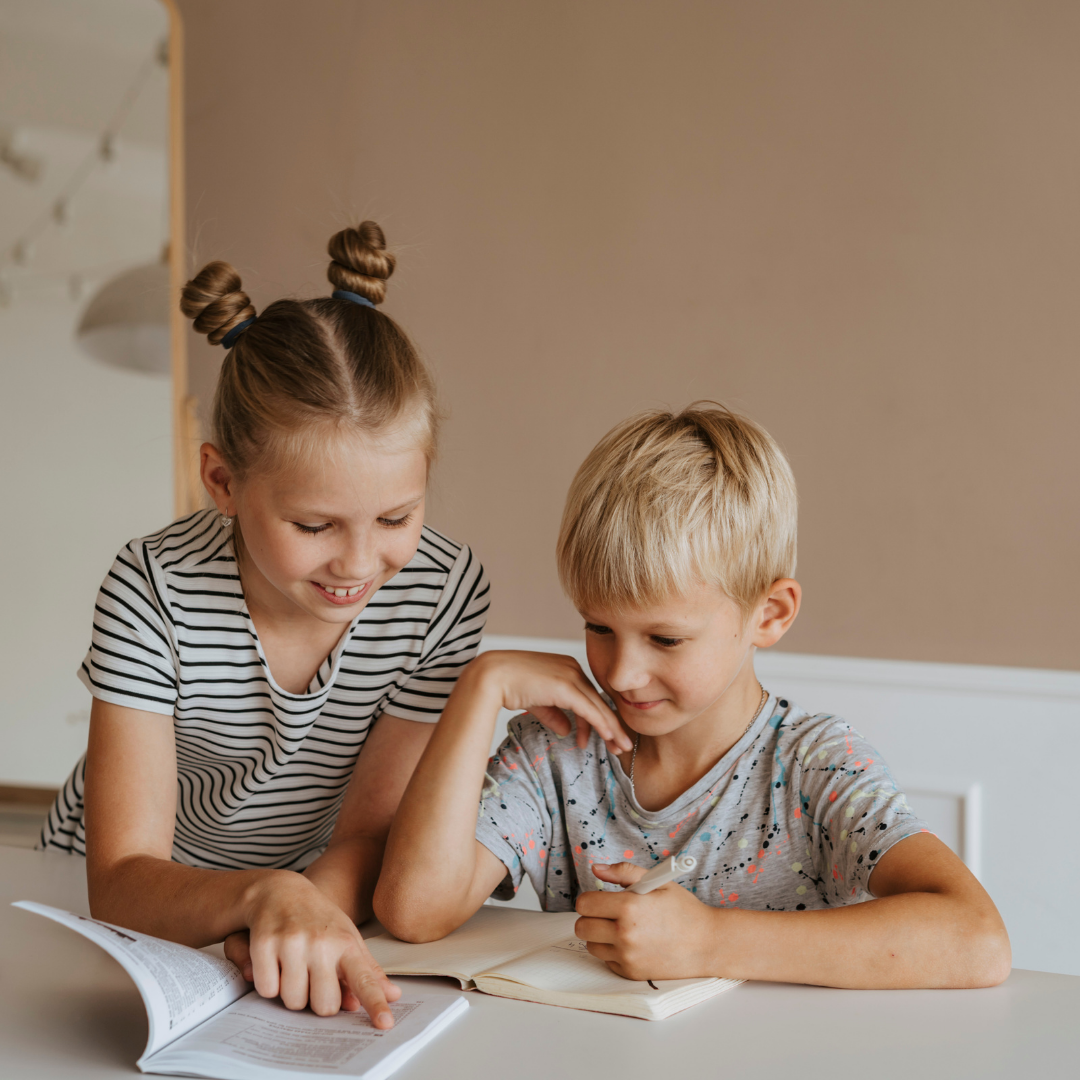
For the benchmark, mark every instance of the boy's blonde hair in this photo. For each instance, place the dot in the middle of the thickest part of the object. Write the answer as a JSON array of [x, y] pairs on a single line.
[[665, 503]]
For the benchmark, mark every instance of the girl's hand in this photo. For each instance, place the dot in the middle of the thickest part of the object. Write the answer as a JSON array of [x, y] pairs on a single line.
[[665, 934], [547, 683], [303, 947]]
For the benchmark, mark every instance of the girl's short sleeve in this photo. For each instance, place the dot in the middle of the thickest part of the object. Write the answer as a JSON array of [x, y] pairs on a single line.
[[132, 657], [452, 639]]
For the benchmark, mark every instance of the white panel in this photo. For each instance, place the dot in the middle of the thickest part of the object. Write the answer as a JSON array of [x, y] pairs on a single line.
[[980, 751]]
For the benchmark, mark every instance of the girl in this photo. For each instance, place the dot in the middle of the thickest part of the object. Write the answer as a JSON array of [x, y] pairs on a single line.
[[242, 657]]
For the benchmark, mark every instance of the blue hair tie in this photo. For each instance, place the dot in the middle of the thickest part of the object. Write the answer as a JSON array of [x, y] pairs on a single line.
[[229, 340], [356, 298]]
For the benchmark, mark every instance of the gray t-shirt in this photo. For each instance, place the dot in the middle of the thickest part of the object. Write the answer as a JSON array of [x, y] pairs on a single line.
[[793, 817]]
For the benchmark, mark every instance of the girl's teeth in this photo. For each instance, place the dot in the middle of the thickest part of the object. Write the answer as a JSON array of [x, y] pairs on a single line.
[[341, 592], [354, 590]]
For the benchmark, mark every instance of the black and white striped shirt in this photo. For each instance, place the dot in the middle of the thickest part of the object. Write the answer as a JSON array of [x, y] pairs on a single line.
[[262, 772]]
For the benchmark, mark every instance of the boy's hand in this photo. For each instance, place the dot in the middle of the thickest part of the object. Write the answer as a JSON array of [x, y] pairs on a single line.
[[545, 684], [665, 934], [304, 948]]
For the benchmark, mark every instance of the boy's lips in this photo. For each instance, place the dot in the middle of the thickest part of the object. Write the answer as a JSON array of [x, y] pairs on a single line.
[[353, 593], [641, 704]]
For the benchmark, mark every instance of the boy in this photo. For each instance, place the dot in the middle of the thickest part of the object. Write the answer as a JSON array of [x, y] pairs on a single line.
[[677, 547]]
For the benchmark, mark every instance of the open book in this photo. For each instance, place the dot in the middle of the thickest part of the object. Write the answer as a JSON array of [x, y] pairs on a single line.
[[535, 957], [204, 1021]]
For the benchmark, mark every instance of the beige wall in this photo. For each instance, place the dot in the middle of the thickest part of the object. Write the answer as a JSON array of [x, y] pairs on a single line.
[[857, 222]]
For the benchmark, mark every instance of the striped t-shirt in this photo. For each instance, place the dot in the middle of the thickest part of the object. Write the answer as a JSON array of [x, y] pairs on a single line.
[[262, 772]]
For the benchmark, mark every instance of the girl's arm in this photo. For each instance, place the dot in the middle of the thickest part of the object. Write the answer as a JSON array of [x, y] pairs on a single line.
[[347, 870], [931, 925], [435, 873], [304, 946]]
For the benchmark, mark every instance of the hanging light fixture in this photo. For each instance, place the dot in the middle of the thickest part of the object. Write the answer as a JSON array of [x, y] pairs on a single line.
[[126, 323]]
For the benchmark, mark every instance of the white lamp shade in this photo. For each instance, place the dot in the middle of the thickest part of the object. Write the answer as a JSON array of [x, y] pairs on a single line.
[[126, 323]]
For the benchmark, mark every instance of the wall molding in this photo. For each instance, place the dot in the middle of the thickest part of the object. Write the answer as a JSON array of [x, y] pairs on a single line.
[[901, 674]]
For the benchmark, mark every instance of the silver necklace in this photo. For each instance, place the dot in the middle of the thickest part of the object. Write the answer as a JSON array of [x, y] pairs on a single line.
[[637, 741]]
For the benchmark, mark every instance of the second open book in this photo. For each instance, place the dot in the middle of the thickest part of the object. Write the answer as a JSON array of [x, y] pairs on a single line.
[[534, 956]]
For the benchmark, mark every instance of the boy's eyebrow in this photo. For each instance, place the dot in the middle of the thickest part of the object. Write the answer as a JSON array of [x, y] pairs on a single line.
[[676, 628]]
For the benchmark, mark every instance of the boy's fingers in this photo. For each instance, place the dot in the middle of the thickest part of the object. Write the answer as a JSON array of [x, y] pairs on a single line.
[[600, 717], [622, 873], [552, 718], [601, 931], [601, 905], [349, 1001], [365, 981], [607, 953]]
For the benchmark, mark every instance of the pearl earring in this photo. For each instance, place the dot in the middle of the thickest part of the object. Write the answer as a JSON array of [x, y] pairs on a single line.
[[225, 520]]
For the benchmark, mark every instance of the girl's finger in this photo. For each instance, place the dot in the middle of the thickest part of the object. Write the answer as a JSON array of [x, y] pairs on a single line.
[[238, 949], [265, 972], [294, 979], [349, 1001], [324, 989], [365, 980]]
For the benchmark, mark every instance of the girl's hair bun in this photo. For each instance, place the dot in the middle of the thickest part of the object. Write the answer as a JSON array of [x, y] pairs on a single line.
[[214, 300], [361, 263]]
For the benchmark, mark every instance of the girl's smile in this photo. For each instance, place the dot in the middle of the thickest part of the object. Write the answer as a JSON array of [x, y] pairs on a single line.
[[342, 594]]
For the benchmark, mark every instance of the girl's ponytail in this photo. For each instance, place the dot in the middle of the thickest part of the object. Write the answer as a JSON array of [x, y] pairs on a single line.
[[215, 301], [308, 370], [361, 264]]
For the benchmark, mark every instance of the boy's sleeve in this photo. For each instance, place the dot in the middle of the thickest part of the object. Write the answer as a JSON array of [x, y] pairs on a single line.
[[851, 809], [514, 822], [452, 640], [132, 659]]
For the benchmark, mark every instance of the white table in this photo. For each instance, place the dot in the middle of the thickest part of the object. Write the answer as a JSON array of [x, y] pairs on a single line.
[[67, 1009]]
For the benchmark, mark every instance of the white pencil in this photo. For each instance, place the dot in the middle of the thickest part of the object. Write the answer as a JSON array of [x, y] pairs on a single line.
[[664, 871]]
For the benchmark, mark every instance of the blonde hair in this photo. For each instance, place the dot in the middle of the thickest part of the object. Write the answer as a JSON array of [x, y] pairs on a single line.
[[668, 502], [308, 369]]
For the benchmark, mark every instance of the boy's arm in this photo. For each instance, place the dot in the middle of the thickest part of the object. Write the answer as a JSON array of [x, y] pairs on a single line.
[[931, 925], [436, 874]]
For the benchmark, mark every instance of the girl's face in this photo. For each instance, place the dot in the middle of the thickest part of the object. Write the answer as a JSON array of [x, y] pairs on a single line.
[[323, 537]]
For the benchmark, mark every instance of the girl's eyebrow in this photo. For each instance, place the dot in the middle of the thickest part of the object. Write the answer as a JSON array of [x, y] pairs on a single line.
[[407, 505], [313, 514]]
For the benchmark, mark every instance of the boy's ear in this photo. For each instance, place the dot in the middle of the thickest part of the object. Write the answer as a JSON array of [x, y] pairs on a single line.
[[777, 612], [216, 478]]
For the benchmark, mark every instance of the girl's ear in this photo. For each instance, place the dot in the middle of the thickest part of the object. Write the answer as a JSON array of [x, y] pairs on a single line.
[[217, 479], [777, 612]]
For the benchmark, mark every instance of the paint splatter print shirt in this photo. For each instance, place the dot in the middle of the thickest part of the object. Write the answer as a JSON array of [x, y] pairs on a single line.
[[793, 817]]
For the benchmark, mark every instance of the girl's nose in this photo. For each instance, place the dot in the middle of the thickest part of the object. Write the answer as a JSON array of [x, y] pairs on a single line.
[[355, 562]]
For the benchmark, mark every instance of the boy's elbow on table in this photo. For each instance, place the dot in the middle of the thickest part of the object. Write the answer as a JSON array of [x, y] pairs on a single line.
[[407, 915], [989, 953]]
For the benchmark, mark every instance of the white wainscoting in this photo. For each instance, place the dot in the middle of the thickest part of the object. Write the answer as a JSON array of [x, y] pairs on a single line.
[[983, 753]]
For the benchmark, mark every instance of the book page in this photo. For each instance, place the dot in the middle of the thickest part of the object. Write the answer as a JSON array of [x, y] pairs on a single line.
[[255, 1037], [180, 986], [492, 936], [566, 966]]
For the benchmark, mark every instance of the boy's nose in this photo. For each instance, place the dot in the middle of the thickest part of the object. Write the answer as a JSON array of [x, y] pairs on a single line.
[[626, 672]]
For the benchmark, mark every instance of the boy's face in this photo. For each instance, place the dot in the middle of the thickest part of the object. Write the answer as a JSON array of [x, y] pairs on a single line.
[[668, 664]]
